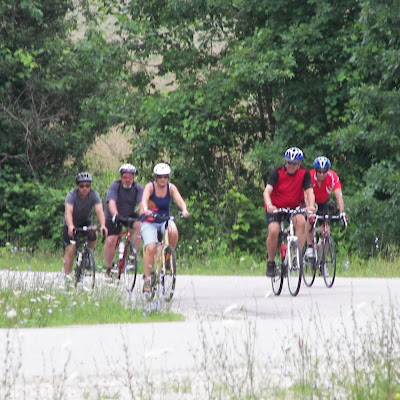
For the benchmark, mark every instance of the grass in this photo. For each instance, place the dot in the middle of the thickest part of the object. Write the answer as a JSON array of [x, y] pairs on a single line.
[[42, 300], [13, 258]]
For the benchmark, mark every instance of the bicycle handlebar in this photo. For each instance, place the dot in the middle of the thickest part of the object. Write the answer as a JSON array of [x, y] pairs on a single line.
[[166, 217], [127, 221], [327, 217], [297, 210], [86, 229]]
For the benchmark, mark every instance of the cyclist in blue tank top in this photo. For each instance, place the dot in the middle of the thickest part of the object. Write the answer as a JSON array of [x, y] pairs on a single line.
[[157, 199]]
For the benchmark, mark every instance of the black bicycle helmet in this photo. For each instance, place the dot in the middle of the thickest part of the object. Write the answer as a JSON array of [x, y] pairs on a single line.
[[83, 177]]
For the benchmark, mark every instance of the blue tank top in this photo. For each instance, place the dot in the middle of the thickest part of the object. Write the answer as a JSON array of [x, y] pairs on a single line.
[[160, 205]]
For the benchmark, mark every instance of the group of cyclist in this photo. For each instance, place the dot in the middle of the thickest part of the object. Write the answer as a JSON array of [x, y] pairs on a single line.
[[289, 186], [293, 185], [123, 198]]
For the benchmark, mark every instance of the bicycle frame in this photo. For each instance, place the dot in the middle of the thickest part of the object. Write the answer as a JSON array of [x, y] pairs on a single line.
[[124, 243], [290, 253], [164, 275], [324, 248], [83, 250]]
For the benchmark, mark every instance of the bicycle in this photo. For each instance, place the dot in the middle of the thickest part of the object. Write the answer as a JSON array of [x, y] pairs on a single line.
[[324, 247], [85, 267], [164, 269], [127, 255], [288, 257]]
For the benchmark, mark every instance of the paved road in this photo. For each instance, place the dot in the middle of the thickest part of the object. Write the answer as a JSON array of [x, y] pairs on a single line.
[[230, 321]]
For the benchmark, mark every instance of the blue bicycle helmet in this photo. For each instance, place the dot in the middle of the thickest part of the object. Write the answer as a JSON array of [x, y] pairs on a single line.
[[322, 162], [294, 154]]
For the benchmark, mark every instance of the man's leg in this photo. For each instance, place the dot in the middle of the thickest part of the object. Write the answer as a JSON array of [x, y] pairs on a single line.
[[68, 257], [300, 229], [109, 251], [272, 244]]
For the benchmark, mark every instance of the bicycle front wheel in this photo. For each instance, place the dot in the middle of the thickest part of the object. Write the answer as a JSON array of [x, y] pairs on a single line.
[[277, 280], [168, 273], [130, 267], [328, 261], [295, 268], [309, 268], [87, 270]]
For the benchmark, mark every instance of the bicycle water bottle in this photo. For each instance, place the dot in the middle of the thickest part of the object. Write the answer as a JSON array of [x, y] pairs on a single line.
[[78, 262], [121, 250], [283, 251]]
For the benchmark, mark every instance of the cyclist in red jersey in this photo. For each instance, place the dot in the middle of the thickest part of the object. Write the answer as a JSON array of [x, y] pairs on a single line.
[[324, 181], [287, 187]]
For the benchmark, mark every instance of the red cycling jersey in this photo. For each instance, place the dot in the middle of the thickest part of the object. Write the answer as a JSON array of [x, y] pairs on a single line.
[[288, 190], [331, 182]]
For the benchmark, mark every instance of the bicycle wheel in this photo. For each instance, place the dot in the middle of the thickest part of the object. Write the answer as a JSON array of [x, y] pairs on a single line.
[[78, 266], [328, 261], [277, 280], [168, 273], [295, 268], [309, 268], [130, 267], [87, 270]]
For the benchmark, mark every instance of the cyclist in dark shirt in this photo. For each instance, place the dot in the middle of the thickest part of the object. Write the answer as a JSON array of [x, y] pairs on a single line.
[[78, 210], [286, 188], [122, 198]]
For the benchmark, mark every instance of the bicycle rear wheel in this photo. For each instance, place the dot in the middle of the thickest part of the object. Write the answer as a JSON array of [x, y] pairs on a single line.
[[130, 267], [309, 268], [168, 273], [295, 268], [328, 261], [87, 270], [277, 280]]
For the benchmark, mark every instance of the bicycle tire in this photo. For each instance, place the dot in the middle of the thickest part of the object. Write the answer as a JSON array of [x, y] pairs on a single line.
[[277, 280], [168, 273], [130, 267], [328, 261], [86, 271], [77, 271], [309, 269], [295, 268]]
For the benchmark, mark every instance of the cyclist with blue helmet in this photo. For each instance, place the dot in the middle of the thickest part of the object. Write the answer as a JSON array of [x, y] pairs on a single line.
[[324, 181], [287, 187], [79, 204]]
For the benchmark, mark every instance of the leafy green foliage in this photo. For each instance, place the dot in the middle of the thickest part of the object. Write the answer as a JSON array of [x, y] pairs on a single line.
[[217, 89]]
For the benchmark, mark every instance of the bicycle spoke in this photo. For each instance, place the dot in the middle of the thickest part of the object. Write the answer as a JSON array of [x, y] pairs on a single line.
[[168, 274], [277, 280], [130, 267], [328, 262], [295, 268], [309, 269]]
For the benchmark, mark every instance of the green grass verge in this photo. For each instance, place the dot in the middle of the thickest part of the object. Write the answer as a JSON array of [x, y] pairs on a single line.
[[44, 304], [244, 264]]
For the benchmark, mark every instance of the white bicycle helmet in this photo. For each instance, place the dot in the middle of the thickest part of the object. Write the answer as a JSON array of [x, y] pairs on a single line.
[[127, 168], [293, 154], [83, 177], [162, 169], [322, 162]]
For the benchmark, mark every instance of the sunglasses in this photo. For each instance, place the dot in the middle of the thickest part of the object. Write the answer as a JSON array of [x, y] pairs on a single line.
[[162, 176], [292, 162], [321, 171], [84, 185]]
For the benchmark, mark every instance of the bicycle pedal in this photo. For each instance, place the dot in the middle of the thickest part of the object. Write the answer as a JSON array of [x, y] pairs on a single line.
[[129, 267]]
